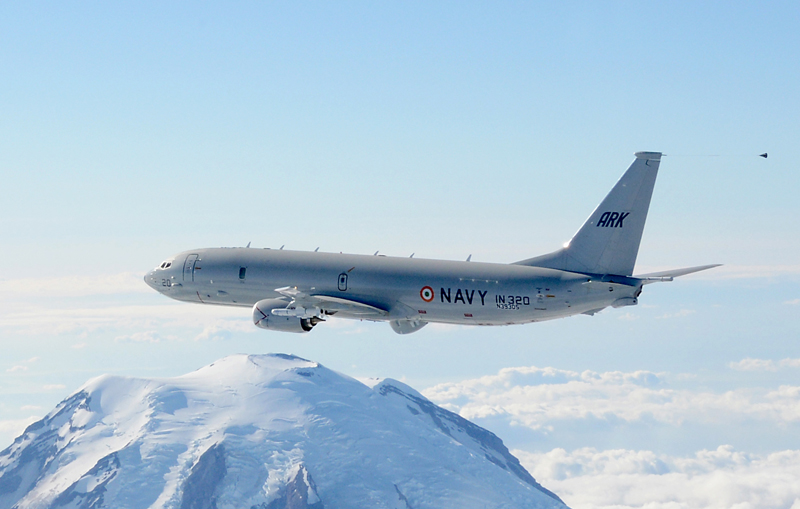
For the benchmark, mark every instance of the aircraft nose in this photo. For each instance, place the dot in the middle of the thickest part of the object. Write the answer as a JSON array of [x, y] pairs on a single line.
[[163, 278], [150, 280]]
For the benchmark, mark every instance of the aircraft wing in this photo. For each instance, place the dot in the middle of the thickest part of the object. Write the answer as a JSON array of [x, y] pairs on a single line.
[[351, 307], [669, 275]]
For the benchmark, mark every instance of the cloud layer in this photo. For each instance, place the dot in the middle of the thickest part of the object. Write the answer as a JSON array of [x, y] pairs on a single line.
[[750, 364], [75, 286], [588, 478], [655, 417], [541, 397], [80, 305], [600, 439]]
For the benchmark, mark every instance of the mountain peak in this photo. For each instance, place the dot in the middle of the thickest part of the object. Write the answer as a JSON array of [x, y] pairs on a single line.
[[254, 368], [259, 431]]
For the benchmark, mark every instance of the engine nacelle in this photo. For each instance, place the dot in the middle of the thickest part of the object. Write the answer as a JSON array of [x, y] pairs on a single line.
[[264, 318]]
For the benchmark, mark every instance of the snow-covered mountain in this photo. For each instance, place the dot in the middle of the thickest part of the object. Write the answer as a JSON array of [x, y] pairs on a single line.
[[260, 432]]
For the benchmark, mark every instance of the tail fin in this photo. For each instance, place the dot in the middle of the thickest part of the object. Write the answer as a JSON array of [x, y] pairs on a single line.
[[608, 241]]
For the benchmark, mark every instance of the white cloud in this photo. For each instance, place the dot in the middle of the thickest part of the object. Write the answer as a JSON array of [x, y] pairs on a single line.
[[220, 332], [16, 427], [22, 367], [139, 337], [223, 329], [53, 387], [545, 398], [75, 286], [33, 319], [78, 346], [621, 479], [750, 364], [213, 334], [678, 314], [27, 408], [794, 302]]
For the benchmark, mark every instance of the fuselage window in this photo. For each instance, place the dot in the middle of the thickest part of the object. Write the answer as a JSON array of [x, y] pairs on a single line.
[[242, 271]]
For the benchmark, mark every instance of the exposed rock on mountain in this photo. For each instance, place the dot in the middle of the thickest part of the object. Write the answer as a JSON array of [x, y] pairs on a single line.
[[260, 432]]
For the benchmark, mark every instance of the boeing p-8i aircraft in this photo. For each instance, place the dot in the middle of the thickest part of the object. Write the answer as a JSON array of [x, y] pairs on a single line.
[[293, 291]]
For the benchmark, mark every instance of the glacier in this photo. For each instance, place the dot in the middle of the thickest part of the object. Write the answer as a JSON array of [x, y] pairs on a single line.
[[267, 431]]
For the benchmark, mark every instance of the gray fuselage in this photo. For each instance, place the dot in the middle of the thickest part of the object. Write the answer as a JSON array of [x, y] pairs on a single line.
[[406, 288]]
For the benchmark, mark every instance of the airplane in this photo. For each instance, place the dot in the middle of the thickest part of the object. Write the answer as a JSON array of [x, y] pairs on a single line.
[[294, 291]]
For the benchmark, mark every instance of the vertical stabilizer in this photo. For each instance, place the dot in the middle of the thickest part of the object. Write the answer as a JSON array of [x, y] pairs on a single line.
[[608, 241]]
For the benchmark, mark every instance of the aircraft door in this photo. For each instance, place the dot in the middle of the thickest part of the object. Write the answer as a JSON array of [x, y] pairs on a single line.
[[188, 267]]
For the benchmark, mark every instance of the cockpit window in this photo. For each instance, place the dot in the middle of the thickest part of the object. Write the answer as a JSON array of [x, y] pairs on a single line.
[[165, 265]]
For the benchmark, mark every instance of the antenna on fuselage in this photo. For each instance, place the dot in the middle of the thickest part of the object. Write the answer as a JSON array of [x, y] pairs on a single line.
[[248, 244], [412, 255], [316, 249], [469, 257], [376, 252], [281, 249]]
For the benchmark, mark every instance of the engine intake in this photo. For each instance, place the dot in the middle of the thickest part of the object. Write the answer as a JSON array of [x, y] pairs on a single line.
[[265, 318]]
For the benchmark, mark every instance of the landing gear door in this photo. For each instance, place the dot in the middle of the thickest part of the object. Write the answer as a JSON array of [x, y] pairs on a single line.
[[188, 267]]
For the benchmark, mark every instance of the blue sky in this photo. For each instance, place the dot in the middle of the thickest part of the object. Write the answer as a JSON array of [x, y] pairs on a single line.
[[133, 131]]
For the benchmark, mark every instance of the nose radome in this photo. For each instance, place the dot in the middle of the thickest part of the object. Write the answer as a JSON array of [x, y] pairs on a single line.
[[150, 280]]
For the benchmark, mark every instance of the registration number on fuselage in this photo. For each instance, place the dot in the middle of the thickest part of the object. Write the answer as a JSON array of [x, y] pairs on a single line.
[[511, 301]]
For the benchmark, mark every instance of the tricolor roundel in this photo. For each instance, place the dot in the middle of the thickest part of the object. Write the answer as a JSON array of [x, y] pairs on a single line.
[[426, 293]]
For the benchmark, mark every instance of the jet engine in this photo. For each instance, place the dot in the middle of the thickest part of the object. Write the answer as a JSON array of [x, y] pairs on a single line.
[[285, 320]]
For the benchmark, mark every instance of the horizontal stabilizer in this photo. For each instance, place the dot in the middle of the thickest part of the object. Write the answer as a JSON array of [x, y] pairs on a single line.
[[668, 275]]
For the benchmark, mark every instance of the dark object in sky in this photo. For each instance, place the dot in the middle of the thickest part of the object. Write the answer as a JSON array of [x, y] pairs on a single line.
[[764, 155]]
